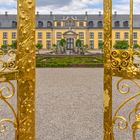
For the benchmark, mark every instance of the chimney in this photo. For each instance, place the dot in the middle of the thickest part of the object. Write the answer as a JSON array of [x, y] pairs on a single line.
[[100, 13], [51, 13], [115, 13], [37, 13], [6, 13]]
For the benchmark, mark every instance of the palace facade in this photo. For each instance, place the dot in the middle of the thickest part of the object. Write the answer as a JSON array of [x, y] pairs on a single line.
[[50, 29]]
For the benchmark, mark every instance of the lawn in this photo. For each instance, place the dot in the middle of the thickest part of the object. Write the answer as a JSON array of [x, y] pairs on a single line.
[[69, 61]]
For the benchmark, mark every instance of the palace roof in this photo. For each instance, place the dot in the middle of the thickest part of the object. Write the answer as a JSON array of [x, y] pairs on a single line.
[[93, 21]]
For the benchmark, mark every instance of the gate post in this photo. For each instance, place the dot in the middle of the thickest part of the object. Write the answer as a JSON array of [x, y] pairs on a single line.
[[26, 66], [108, 132]]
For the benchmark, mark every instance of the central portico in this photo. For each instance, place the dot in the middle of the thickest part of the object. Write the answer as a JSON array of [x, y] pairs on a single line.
[[70, 37]]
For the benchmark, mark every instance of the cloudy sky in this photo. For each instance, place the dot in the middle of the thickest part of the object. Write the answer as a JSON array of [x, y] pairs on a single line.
[[71, 6]]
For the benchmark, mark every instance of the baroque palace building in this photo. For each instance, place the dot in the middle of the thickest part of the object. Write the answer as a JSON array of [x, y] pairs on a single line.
[[50, 29]]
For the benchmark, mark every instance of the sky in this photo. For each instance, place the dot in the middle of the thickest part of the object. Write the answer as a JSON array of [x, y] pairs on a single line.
[[71, 6]]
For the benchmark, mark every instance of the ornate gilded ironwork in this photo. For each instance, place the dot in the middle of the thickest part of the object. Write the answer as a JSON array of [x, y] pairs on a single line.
[[108, 134], [8, 60], [7, 92], [26, 66], [8, 72], [121, 65]]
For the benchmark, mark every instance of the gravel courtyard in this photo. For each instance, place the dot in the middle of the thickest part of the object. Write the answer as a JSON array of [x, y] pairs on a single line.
[[69, 104]]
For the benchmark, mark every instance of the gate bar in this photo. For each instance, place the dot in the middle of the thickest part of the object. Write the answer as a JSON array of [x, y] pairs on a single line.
[[26, 67], [108, 132], [131, 25]]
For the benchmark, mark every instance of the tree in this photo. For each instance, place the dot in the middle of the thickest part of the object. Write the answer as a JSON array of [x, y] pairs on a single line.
[[14, 45], [39, 47], [4, 47], [101, 45], [122, 44], [136, 46], [63, 44], [78, 43]]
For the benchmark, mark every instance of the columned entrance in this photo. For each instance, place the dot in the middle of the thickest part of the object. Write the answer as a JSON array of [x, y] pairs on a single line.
[[70, 44], [70, 37]]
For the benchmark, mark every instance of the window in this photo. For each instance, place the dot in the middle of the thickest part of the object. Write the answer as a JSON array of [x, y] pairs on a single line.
[[81, 24], [117, 35], [5, 42], [81, 35], [59, 35], [13, 41], [100, 24], [126, 35], [91, 35], [135, 42], [117, 23], [100, 44], [39, 41], [125, 24], [48, 35], [70, 23], [48, 44], [13, 35], [39, 35], [5, 35], [90, 24], [100, 35], [40, 24], [49, 24], [91, 44], [58, 24], [135, 35]]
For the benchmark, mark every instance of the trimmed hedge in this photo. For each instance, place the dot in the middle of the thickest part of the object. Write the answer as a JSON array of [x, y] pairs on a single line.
[[69, 61]]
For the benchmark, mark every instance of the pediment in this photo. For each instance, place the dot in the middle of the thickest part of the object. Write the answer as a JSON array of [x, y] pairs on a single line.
[[70, 33]]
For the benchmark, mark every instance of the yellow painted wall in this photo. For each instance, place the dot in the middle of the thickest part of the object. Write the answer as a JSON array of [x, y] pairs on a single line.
[[77, 31], [9, 39]]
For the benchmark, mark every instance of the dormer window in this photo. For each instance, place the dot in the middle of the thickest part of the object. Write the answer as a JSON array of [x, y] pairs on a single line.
[[40, 24], [70, 23], [81, 24], [117, 23], [125, 24], [100, 24], [14, 24], [59, 24], [90, 24], [49, 24]]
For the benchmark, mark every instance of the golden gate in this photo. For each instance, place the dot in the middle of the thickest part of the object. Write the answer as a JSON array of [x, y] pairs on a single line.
[[117, 63]]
